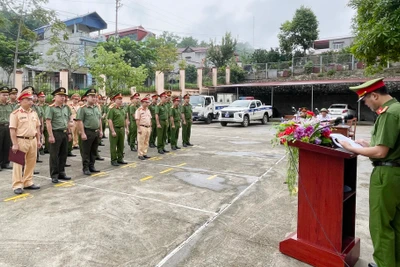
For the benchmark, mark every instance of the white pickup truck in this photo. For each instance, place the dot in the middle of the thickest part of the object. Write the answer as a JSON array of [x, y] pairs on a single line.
[[244, 112], [205, 108]]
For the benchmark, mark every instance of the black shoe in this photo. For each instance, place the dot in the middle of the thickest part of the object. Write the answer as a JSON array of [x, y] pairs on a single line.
[[7, 167], [141, 158], [161, 151], [133, 149], [173, 147], [75, 147], [101, 144], [32, 187], [122, 162], [189, 144], [114, 163], [46, 152], [165, 151], [1, 169], [100, 158], [93, 170], [71, 155], [36, 172], [67, 165], [371, 264], [104, 137], [184, 145], [66, 178], [18, 191], [39, 161], [177, 147], [146, 157], [41, 152], [152, 145], [87, 172], [98, 151], [54, 180]]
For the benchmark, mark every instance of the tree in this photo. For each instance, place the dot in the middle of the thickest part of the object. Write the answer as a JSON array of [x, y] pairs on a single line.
[[204, 44], [220, 55], [18, 20], [301, 32], [265, 56], [244, 50], [188, 41], [191, 74], [170, 38], [166, 54], [118, 74], [377, 29]]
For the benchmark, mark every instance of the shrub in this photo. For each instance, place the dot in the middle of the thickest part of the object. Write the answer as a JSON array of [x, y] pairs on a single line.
[[308, 67], [331, 72]]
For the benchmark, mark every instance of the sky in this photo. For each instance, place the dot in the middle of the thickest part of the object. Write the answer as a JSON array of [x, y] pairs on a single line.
[[254, 21]]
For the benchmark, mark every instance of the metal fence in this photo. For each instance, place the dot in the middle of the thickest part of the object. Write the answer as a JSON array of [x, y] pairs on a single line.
[[42, 83], [327, 64]]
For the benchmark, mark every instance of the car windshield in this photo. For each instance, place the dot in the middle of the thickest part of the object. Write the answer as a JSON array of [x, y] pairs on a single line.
[[196, 100], [338, 106], [240, 103]]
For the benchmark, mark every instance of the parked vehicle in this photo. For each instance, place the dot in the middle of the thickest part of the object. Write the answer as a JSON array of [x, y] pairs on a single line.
[[244, 112], [341, 110], [205, 108]]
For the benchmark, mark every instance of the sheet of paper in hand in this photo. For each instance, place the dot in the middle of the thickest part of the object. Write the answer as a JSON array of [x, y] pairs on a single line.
[[340, 137]]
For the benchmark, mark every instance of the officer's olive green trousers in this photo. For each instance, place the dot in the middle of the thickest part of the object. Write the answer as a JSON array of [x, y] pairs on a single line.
[[132, 137], [175, 134], [117, 144], [153, 134], [384, 222], [162, 135], [186, 131]]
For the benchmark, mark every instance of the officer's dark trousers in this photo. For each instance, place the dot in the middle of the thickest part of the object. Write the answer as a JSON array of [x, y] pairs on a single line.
[[5, 144], [58, 154], [162, 134], [153, 135], [89, 149]]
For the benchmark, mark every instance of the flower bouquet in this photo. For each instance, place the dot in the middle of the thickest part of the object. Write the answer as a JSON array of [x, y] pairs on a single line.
[[307, 130]]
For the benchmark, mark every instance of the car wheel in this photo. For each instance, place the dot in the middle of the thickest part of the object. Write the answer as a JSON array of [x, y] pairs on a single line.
[[208, 119], [246, 121], [265, 119], [224, 124]]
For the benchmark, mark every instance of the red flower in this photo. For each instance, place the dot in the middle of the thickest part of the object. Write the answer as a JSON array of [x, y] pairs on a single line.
[[310, 114], [289, 130], [326, 134]]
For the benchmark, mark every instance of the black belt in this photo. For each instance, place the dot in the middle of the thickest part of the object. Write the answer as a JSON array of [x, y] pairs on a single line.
[[60, 131], [92, 130], [122, 127], [145, 126], [25, 137], [385, 163], [4, 124]]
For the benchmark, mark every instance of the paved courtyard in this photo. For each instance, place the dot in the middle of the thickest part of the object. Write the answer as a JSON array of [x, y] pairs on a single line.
[[220, 203]]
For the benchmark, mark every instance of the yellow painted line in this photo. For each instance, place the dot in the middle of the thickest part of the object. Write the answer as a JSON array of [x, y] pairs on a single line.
[[22, 196], [99, 174], [180, 165], [131, 165], [146, 178], [171, 153], [167, 170], [212, 177], [155, 158], [65, 184]]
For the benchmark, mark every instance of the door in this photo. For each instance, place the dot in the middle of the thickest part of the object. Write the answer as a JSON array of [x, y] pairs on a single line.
[[253, 110]]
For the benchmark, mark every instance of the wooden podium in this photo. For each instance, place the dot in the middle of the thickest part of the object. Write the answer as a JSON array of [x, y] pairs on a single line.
[[326, 215]]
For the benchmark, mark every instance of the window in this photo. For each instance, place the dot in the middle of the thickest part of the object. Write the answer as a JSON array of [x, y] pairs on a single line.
[[338, 45], [258, 104]]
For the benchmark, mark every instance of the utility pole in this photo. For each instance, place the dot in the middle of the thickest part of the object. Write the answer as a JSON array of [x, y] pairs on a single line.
[[117, 6], [17, 42]]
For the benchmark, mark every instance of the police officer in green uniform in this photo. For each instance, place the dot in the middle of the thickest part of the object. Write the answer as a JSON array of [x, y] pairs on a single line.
[[132, 137], [70, 142], [5, 139], [169, 105], [186, 121], [175, 121], [39, 111], [13, 98], [152, 108], [116, 122], [90, 128], [58, 116], [162, 115], [384, 191], [104, 110]]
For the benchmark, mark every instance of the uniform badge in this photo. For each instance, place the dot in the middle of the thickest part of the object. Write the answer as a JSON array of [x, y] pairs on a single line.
[[382, 110]]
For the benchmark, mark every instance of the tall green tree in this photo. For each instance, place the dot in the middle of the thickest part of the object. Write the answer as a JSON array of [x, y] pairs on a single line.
[[170, 38], [118, 74], [300, 32], [18, 20], [191, 74], [220, 55], [166, 54], [377, 29], [188, 41]]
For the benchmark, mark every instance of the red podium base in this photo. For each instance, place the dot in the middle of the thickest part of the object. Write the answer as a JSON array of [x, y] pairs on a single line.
[[319, 256]]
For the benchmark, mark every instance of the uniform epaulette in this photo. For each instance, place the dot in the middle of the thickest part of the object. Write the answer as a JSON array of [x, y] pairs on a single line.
[[111, 106], [382, 110], [159, 104], [52, 105], [15, 111]]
